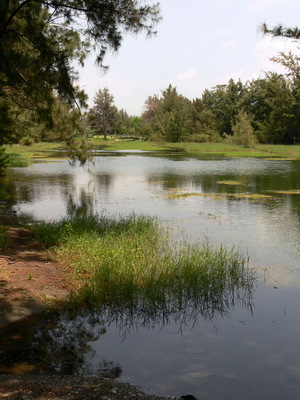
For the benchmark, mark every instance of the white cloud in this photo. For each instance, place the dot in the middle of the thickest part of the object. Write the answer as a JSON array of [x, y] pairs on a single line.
[[258, 5], [270, 47], [187, 75], [235, 75], [276, 44], [231, 44], [267, 48], [223, 32]]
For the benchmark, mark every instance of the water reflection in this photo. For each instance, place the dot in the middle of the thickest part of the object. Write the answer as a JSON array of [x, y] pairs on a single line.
[[248, 355], [62, 342], [126, 183], [222, 350], [52, 345]]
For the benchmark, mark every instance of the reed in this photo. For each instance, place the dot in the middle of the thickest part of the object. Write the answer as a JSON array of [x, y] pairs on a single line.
[[132, 262]]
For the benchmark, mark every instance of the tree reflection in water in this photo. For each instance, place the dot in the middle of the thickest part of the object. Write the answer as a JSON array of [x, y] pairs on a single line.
[[60, 342]]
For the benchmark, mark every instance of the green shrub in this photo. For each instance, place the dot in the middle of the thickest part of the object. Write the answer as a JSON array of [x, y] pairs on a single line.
[[243, 133]]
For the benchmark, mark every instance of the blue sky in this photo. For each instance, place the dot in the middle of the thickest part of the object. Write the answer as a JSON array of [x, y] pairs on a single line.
[[199, 44]]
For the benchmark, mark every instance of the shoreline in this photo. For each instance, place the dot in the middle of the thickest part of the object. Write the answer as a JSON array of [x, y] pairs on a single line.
[[31, 281]]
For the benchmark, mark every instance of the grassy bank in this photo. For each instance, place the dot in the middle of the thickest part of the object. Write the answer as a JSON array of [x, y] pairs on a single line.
[[24, 155], [130, 262], [218, 149]]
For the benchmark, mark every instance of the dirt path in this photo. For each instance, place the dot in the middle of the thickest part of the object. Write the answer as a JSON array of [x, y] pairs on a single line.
[[30, 278]]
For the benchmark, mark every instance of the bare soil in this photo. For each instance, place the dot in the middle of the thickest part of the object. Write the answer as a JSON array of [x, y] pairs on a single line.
[[30, 280]]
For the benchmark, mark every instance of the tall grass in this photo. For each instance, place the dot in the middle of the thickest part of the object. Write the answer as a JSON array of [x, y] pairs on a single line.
[[131, 262], [22, 156], [4, 240], [18, 160]]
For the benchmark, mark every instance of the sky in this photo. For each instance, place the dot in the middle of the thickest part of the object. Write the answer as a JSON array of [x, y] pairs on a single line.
[[199, 44]]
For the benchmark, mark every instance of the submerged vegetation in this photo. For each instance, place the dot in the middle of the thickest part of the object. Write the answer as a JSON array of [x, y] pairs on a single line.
[[176, 194], [131, 263]]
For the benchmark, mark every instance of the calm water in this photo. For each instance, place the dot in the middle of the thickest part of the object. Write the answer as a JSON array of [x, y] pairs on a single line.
[[254, 352]]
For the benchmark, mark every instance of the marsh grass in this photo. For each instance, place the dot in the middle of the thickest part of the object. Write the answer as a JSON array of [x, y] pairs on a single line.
[[18, 160], [281, 151], [126, 144], [132, 262], [3, 237], [23, 156]]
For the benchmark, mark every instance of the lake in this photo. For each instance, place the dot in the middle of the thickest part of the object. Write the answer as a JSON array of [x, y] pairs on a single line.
[[251, 351]]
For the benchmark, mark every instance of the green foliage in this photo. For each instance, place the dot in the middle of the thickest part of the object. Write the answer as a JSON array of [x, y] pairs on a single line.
[[52, 234], [103, 116], [4, 240], [243, 134], [272, 104], [168, 118], [4, 160], [18, 160], [131, 262], [224, 101], [123, 125], [204, 124], [136, 128], [40, 42], [281, 31]]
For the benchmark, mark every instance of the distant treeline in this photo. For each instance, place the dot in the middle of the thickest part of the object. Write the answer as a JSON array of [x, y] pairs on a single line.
[[264, 110], [267, 108], [272, 106]]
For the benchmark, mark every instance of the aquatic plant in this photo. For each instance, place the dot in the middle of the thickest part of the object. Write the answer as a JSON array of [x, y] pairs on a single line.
[[175, 194], [178, 194], [231, 183], [292, 191], [132, 263]]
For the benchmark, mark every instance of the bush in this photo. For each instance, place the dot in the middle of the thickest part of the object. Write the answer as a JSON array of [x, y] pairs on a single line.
[[243, 133]]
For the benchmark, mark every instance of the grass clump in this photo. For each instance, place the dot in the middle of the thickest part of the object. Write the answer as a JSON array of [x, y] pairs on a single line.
[[18, 160], [131, 262], [4, 240]]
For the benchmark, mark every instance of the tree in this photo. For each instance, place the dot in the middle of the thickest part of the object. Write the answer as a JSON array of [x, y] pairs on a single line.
[[243, 133], [292, 63], [104, 113], [122, 122], [167, 117], [269, 102], [41, 39], [224, 101], [136, 127], [281, 31], [204, 123]]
